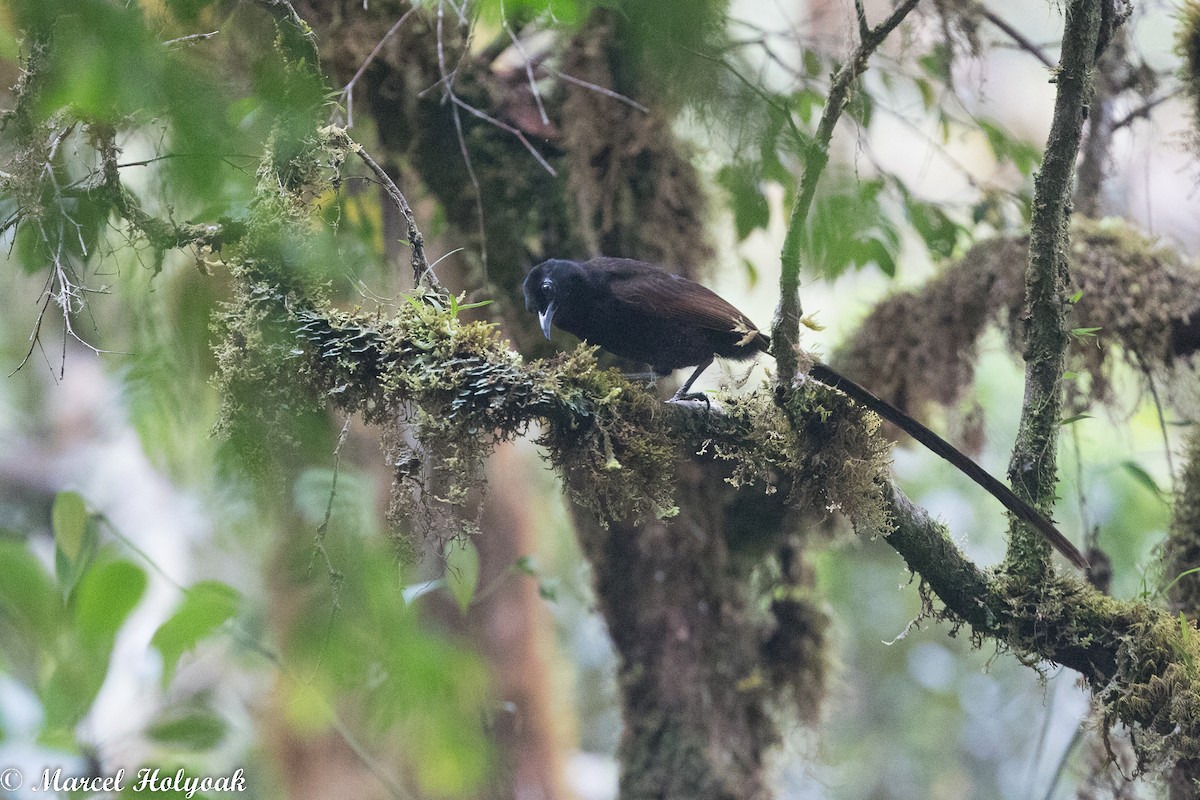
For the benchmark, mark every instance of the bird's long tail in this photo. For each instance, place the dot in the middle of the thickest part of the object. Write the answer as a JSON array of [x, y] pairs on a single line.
[[1023, 510]]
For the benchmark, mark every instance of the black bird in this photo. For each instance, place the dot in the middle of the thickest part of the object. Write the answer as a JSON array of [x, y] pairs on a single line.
[[641, 312]]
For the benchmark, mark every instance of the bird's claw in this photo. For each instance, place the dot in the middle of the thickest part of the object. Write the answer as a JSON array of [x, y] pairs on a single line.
[[692, 399]]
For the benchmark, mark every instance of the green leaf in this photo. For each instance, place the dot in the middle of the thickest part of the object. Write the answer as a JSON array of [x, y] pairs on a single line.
[[927, 94], [746, 198], [75, 539], [850, 228], [107, 593], [462, 571], [877, 253], [1084, 332], [1143, 478], [806, 101], [69, 518], [194, 729], [207, 606], [939, 232], [1075, 418], [1006, 147], [1075, 298], [813, 65], [27, 594], [937, 62]]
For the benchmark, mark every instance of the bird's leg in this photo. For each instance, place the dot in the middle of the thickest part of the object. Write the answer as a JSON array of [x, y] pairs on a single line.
[[682, 393]]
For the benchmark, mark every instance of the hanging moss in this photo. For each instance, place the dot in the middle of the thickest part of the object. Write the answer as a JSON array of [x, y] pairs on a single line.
[[637, 191], [919, 347]]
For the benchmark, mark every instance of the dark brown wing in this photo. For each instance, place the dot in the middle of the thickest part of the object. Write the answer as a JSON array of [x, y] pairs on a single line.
[[673, 297]]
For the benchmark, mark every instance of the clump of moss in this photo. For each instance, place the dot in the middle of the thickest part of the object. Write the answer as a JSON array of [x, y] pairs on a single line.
[[1149, 661], [638, 193], [919, 347], [1132, 296], [614, 448], [1137, 292], [796, 653], [1181, 551], [820, 449], [1154, 687], [267, 392]]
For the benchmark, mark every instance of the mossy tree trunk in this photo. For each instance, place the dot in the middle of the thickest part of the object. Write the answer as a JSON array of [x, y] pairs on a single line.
[[677, 609]]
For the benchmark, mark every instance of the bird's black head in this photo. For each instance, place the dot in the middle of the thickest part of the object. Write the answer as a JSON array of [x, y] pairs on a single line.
[[549, 286]]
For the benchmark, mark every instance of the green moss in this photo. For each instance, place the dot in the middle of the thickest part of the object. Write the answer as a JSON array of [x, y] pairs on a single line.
[[1181, 552], [920, 347], [1188, 47]]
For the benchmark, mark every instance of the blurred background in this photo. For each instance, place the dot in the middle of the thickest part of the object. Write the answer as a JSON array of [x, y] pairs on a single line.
[[158, 608]]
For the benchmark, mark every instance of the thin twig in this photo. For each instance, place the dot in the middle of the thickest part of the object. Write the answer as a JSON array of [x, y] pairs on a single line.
[[441, 53], [1018, 37], [1162, 418], [165, 156], [446, 80], [786, 329], [758, 91], [420, 265], [504, 126], [466, 156], [348, 89], [595, 88], [336, 578], [1145, 108], [191, 38], [860, 14], [537, 95]]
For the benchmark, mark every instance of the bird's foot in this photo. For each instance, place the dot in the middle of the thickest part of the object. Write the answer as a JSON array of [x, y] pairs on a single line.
[[693, 400]]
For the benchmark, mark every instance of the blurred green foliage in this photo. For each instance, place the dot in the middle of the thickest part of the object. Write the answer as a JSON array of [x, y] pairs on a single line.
[[355, 640]]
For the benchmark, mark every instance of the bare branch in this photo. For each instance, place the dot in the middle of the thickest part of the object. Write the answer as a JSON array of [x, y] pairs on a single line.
[[860, 14], [347, 95], [1021, 40], [191, 38], [420, 264], [1143, 111], [533, 88], [595, 88], [504, 126]]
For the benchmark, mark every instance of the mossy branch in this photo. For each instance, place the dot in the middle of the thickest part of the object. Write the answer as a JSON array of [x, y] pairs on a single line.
[[162, 235], [785, 330], [1033, 469], [422, 272], [617, 445]]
